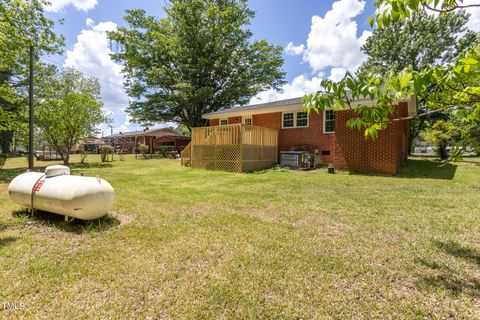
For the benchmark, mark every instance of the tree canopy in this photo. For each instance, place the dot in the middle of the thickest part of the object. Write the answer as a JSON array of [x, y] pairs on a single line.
[[419, 42], [452, 87], [198, 59], [422, 41], [70, 109], [22, 24]]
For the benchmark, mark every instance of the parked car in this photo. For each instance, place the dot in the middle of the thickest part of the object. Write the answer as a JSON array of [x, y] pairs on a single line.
[[20, 152]]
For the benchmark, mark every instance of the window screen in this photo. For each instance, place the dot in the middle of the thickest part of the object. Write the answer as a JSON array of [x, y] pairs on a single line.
[[302, 119], [329, 121]]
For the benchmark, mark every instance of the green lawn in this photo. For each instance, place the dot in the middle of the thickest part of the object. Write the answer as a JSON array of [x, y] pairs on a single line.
[[192, 244]]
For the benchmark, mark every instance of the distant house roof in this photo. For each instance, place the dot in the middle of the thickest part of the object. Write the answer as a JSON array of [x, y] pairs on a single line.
[[91, 141], [174, 136], [152, 132], [284, 106]]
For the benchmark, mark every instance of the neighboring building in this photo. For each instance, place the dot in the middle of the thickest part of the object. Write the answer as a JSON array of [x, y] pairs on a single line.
[[156, 139], [326, 134], [89, 145]]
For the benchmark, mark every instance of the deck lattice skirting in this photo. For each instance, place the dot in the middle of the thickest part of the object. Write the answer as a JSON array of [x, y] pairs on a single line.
[[235, 148]]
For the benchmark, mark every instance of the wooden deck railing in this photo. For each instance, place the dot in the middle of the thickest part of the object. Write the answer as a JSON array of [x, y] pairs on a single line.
[[234, 134], [235, 147], [186, 155]]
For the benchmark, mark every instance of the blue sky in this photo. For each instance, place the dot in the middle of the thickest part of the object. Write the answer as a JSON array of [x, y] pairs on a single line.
[[322, 39]]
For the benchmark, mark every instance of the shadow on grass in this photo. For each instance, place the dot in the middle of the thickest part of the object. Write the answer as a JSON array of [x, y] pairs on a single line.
[[7, 240], [443, 276], [459, 251], [76, 226], [2, 227], [7, 175], [417, 168]]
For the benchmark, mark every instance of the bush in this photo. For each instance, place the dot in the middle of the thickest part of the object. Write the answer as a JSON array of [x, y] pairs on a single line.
[[442, 134], [105, 151], [144, 149], [83, 157], [3, 159]]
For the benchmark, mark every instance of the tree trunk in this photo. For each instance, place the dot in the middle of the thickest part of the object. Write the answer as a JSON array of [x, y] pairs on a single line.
[[66, 159], [442, 152], [416, 126]]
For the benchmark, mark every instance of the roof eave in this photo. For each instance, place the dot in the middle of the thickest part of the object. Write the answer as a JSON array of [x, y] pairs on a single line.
[[289, 107]]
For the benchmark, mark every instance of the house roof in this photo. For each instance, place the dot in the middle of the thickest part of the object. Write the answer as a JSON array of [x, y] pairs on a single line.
[[293, 104], [174, 136], [152, 132], [91, 141], [257, 108]]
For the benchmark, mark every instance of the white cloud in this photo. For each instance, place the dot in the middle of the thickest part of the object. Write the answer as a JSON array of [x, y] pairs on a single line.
[[58, 5], [474, 22], [333, 40], [91, 55], [89, 22], [332, 45], [300, 86], [336, 74], [294, 50]]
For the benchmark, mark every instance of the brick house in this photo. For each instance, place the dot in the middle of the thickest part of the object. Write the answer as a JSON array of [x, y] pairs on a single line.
[[326, 134], [156, 139]]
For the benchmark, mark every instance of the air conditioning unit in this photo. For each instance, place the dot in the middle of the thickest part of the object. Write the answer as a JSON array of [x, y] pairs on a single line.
[[297, 159]]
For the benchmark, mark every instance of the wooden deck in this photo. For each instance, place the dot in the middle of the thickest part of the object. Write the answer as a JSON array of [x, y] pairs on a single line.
[[236, 148]]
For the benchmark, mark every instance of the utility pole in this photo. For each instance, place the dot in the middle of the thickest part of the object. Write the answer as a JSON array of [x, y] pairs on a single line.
[[30, 113]]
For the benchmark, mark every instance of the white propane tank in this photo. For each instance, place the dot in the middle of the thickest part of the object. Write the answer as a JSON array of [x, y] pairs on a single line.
[[57, 191]]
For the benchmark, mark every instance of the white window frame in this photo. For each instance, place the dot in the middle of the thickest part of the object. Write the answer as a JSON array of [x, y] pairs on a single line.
[[220, 122], [325, 121], [247, 117], [295, 120], [296, 115]]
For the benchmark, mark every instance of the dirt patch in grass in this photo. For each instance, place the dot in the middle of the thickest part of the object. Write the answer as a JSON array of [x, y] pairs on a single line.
[[124, 218]]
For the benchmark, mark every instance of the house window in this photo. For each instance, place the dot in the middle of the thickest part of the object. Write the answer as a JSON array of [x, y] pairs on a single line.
[[223, 122], [295, 120], [247, 121], [302, 119], [288, 120], [328, 121]]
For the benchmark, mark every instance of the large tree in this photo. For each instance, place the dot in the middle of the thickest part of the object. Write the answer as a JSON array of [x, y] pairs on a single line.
[[22, 25], [452, 88], [198, 59], [420, 42], [69, 109]]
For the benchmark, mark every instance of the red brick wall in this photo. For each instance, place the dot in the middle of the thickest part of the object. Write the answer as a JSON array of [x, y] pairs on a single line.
[[312, 136], [349, 149], [231, 120], [357, 153], [234, 120], [268, 120], [288, 138]]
